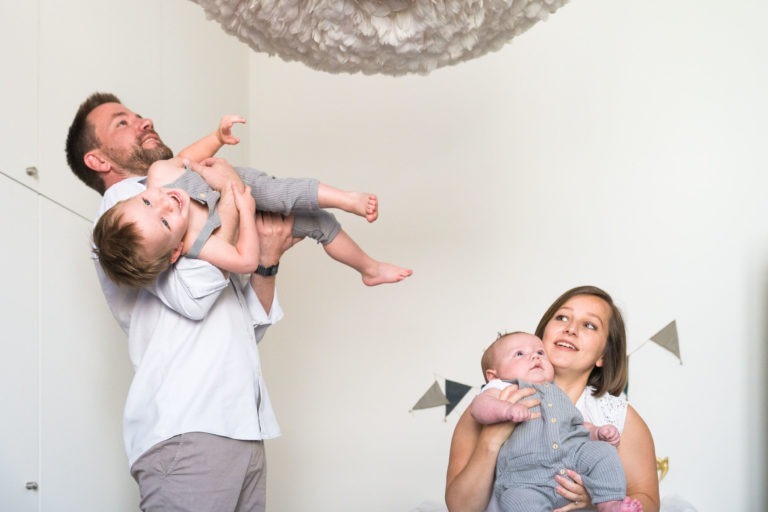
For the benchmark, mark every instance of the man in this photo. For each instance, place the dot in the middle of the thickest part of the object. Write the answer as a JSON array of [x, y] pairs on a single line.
[[197, 411]]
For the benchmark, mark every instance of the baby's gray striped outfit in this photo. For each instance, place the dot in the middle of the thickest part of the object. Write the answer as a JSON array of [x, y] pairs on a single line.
[[538, 449]]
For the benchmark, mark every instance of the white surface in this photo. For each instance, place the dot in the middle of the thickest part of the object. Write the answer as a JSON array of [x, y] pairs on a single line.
[[617, 144]]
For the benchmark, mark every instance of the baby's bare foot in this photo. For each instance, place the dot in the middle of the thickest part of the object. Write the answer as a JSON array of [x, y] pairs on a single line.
[[364, 204], [382, 273]]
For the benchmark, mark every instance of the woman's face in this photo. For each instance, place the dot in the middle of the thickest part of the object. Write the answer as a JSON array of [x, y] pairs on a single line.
[[575, 336]]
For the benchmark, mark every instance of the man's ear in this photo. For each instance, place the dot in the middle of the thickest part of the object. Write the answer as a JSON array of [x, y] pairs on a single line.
[[95, 160], [176, 254]]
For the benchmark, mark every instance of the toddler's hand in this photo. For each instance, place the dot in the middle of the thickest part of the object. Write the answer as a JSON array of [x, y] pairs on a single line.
[[244, 201], [225, 129]]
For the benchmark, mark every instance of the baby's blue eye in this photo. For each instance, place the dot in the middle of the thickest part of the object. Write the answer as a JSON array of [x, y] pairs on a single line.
[[165, 223], [518, 353], [146, 202]]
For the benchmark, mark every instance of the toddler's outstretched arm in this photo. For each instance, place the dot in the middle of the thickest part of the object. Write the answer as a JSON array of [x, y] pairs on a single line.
[[243, 257], [211, 143]]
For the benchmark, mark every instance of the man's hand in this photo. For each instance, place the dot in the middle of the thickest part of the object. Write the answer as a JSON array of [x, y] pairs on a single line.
[[275, 237]]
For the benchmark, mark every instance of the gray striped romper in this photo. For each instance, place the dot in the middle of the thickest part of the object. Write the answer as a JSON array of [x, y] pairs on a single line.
[[540, 448], [276, 195]]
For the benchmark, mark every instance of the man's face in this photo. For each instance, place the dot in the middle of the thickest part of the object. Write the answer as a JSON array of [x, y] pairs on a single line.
[[128, 140]]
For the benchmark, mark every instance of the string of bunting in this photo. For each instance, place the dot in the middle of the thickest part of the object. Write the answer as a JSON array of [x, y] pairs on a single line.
[[454, 392]]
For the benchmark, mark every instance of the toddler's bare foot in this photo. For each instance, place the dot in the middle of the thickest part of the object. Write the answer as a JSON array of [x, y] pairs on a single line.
[[364, 204], [381, 273], [626, 505]]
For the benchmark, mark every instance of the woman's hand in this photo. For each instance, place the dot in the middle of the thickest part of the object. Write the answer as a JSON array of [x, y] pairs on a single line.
[[572, 489]]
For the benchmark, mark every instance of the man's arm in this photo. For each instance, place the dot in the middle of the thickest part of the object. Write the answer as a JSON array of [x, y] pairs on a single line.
[[275, 237]]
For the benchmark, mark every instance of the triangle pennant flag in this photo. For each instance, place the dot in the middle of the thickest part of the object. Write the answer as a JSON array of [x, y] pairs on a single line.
[[454, 391], [667, 338], [433, 397]]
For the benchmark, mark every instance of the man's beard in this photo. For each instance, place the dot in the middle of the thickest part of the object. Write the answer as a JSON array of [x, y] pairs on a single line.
[[138, 159]]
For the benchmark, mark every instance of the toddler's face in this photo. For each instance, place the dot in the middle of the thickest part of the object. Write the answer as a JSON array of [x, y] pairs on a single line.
[[522, 356], [162, 216]]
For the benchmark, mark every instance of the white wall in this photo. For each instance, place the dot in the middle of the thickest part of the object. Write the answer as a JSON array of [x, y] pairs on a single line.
[[66, 369], [617, 144]]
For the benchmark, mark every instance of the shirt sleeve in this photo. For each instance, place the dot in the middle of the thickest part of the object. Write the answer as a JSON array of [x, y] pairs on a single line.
[[260, 318]]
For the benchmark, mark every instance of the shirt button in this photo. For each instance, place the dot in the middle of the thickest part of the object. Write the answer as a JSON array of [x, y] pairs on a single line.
[[549, 405], [555, 446], [553, 420], [201, 195], [562, 471]]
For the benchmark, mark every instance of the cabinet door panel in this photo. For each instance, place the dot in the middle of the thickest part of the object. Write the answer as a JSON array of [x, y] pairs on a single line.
[[18, 101], [85, 373], [19, 346]]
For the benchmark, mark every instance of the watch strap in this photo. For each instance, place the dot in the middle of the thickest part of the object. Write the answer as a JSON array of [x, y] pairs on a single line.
[[268, 271]]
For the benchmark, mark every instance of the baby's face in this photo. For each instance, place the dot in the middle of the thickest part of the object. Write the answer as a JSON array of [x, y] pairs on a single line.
[[522, 356], [162, 216]]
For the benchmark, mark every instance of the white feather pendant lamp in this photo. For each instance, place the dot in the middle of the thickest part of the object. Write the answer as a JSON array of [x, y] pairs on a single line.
[[391, 37]]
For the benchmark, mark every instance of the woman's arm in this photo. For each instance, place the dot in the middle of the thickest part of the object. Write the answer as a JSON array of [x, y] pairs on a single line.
[[472, 460], [638, 456]]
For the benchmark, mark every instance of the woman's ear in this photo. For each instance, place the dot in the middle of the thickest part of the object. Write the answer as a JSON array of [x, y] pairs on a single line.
[[599, 362]]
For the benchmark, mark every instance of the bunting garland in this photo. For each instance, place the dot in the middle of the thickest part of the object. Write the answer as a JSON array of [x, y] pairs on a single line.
[[435, 397]]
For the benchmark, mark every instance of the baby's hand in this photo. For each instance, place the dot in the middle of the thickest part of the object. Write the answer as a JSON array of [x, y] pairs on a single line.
[[609, 434], [244, 201], [225, 129], [518, 413]]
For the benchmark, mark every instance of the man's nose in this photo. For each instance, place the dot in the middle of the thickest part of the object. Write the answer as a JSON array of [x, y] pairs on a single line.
[[146, 124]]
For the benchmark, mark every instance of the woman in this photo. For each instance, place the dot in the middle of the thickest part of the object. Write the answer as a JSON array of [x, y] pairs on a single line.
[[583, 333]]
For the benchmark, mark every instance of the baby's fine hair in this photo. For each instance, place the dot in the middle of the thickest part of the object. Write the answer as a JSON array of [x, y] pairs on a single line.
[[487, 361], [117, 245]]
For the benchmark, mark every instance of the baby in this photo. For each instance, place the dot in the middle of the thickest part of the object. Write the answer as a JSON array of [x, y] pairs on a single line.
[[549, 439], [178, 215]]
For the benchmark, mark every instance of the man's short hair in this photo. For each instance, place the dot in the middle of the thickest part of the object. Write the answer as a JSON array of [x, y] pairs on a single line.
[[81, 139]]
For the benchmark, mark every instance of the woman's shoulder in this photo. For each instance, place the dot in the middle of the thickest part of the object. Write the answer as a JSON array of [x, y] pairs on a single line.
[[604, 409]]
